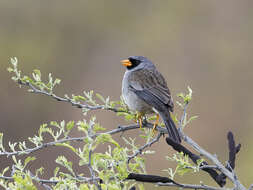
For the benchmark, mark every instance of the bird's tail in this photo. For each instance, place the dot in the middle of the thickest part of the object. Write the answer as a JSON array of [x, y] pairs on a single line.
[[171, 127]]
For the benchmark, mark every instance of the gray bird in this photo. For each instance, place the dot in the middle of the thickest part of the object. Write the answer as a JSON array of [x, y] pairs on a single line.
[[145, 91]]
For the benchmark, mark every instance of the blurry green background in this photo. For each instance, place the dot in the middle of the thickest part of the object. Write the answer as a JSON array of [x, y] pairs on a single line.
[[205, 44]]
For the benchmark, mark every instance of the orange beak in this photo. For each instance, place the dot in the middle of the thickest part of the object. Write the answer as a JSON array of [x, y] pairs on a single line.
[[126, 63]]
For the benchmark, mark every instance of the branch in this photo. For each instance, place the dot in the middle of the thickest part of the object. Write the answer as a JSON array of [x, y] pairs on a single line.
[[92, 173], [203, 166], [70, 139], [164, 181], [209, 156], [148, 144], [233, 150], [191, 186], [150, 178], [93, 177], [53, 182], [68, 100]]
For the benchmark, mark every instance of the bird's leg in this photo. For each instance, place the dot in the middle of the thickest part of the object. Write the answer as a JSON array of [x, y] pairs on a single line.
[[156, 123], [139, 118]]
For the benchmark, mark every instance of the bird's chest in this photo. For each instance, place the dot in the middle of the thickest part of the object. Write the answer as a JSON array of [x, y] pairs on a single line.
[[133, 102]]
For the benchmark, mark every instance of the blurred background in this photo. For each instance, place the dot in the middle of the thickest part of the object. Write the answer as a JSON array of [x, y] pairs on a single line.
[[204, 44]]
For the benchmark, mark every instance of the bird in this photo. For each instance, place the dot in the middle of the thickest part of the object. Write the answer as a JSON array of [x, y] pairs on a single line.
[[145, 91]]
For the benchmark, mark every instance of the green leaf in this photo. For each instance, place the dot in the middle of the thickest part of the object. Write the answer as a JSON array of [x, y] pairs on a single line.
[[100, 97], [129, 117], [78, 98], [70, 125], [97, 127], [37, 72], [84, 187], [39, 171], [192, 118], [181, 95], [1, 142], [56, 170], [9, 69], [65, 163], [23, 182], [57, 81], [29, 159], [103, 138], [5, 170], [67, 146], [62, 124], [14, 61]]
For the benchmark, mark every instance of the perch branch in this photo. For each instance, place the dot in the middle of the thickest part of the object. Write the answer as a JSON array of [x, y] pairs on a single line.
[[69, 139]]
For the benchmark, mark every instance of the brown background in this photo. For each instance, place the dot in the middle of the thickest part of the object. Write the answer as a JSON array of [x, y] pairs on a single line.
[[204, 44]]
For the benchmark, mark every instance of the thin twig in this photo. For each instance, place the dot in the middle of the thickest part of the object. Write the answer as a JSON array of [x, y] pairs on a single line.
[[92, 173], [68, 100], [69, 139], [148, 144]]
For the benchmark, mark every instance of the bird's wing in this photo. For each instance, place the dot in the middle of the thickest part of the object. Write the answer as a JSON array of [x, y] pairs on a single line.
[[150, 86]]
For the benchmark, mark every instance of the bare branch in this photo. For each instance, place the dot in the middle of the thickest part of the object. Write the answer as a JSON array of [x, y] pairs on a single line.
[[165, 181], [148, 144]]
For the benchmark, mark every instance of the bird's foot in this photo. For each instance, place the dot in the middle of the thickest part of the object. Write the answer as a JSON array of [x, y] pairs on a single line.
[[139, 119], [155, 124]]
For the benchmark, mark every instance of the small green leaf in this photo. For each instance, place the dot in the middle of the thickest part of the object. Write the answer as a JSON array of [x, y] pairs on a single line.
[[129, 117], [9, 69], [37, 72], [70, 125], [97, 127], [100, 97], [62, 124], [39, 171], [56, 170], [102, 138], [28, 159], [14, 61], [67, 145], [5, 170], [192, 118], [57, 81]]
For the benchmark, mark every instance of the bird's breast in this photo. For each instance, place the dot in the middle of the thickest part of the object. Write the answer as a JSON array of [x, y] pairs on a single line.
[[133, 102]]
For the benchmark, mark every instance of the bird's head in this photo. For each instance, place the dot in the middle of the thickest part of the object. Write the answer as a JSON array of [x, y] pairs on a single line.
[[137, 62]]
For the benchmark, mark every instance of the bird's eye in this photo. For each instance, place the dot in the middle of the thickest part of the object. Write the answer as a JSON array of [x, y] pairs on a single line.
[[135, 62]]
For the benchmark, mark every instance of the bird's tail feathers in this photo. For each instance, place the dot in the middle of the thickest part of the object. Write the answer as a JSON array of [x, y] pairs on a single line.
[[171, 127]]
